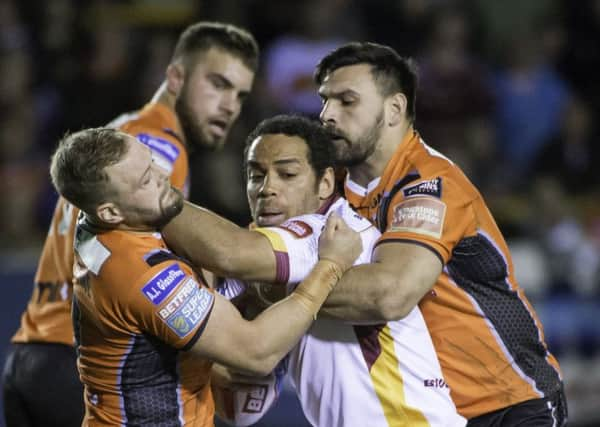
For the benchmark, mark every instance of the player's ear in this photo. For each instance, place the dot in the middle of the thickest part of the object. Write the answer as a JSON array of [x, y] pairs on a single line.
[[109, 213], [396, 106], [175, 78], [327, 184]]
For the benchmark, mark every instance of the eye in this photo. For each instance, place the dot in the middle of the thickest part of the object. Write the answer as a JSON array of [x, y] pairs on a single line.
[[218, 82], [255, 177], [347, 102], [288, 175]]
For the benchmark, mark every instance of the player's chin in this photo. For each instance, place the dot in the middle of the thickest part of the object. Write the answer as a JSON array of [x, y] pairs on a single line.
[[214, 142], [270, 220], [171, 206]]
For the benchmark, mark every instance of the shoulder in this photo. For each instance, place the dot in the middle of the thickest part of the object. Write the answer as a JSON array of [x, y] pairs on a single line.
[[438, 176], [118, 255]]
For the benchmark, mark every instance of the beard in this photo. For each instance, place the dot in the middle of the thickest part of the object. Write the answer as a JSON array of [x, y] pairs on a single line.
[[169, 209], [193, 133], [352, 153]]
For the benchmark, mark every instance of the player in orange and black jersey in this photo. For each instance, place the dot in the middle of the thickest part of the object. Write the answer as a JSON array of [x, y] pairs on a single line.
[[209, 77], [146, 326], [440, 247]]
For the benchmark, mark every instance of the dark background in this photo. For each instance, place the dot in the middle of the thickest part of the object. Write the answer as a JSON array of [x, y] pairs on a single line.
[[508, 90]]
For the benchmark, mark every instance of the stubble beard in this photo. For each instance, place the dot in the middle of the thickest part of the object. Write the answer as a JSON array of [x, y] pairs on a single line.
[[354, 153], [193, 133], [167, 211]]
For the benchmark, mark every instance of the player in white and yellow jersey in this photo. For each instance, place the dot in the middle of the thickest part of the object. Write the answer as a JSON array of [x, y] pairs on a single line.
[[345, 375]]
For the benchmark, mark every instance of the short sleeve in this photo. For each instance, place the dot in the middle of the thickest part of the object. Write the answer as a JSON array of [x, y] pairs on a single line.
[[295, 244], [169, 303], [433, 213]]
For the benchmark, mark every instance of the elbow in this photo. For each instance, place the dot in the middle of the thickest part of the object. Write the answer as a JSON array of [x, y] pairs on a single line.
[[394, 310], [260, 368], [394, 304], [260, 364]]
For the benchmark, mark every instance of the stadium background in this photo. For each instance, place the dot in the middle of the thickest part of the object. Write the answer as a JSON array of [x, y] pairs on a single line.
[[509, 90]]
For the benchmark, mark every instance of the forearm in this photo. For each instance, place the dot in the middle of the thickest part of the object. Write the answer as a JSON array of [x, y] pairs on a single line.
[[280, 327], [368, 294], [216, 244]]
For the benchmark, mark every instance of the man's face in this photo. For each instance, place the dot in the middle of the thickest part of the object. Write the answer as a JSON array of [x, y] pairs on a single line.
[[141, 189], [353, 110], [211, 97], [280, 183]]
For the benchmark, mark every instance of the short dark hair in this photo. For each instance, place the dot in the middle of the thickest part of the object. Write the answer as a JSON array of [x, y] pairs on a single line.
[[321, 152], [201, 36], [392, 73], [78, 166]]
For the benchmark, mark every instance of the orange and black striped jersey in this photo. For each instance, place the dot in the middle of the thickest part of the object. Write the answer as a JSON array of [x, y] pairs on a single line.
[[136, 308], [488, 339], [47, 316]]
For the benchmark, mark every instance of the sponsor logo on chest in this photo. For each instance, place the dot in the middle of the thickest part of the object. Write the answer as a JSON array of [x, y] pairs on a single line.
[[298, 228]]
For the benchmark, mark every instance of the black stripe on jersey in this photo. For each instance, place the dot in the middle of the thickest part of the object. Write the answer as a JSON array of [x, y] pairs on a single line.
[[414, 242], [479, 269], [149, 383], [197, 334], [161, 256]]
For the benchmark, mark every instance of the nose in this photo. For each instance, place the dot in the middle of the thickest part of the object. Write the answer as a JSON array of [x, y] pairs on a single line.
[[327, 114], [268, 187], [229, 103]]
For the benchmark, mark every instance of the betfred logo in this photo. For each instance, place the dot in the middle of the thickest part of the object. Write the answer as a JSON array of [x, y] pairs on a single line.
[[298, 228], [178, 299]]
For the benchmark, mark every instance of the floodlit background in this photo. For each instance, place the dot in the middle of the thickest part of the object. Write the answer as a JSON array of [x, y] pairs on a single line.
[[508, 89]]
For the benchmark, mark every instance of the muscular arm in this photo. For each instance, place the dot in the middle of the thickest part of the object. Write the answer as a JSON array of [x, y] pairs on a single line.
[[388, 288], [256, 346], [218, 245]]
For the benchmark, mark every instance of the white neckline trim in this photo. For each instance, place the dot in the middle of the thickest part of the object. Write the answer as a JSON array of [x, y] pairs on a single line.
[[359, 189]]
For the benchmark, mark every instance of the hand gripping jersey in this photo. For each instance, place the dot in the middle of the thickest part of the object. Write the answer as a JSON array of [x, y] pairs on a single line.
[[488, 338], [350, 375], [136, 309], [47, 317]]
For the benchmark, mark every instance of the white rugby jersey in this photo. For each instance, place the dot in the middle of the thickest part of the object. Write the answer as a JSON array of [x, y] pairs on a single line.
[[357, 375]]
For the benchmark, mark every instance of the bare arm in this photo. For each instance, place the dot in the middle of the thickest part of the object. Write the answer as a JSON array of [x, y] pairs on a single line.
[[388, 288], [256, 346], [216, 244]]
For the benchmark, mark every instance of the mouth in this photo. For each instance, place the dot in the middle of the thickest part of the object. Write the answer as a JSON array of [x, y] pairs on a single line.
[[269, 218], [336, 135], [218, 127]]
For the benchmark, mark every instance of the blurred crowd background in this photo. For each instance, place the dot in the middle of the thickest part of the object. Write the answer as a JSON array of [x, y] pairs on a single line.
[[508, 89]]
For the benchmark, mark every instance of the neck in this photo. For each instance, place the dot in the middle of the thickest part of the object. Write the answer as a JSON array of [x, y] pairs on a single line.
[[139, 229], [374, 165], [163, 96], [100, 226]]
